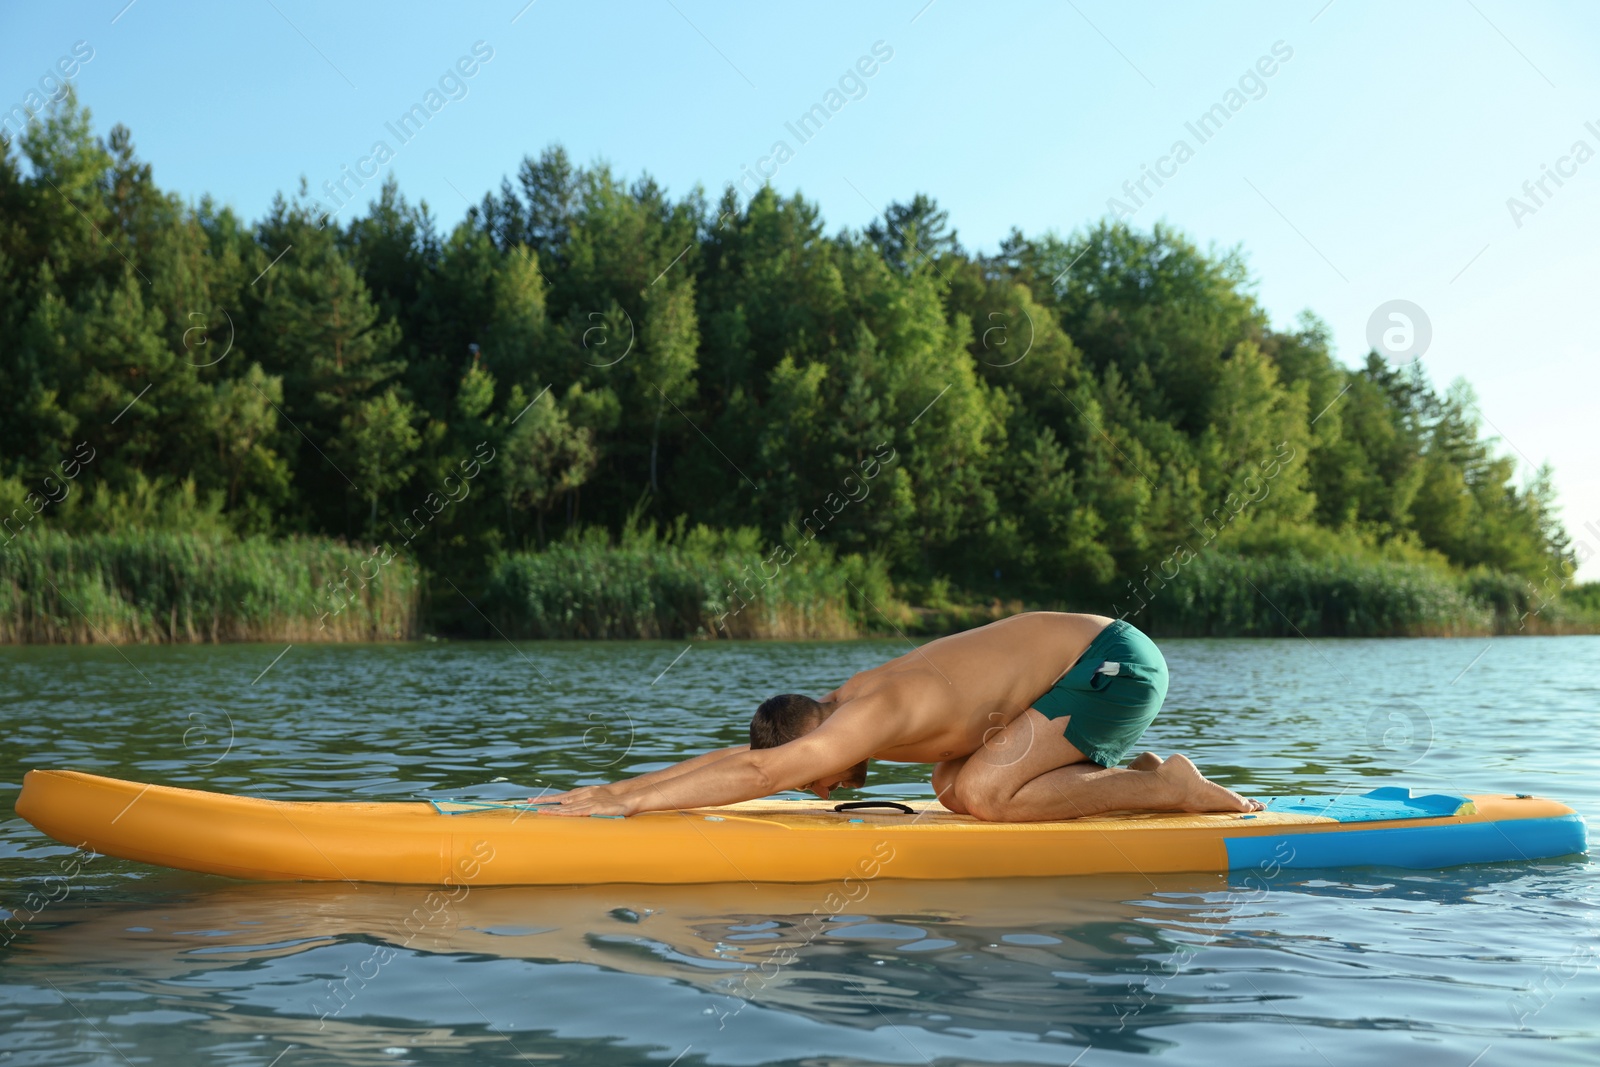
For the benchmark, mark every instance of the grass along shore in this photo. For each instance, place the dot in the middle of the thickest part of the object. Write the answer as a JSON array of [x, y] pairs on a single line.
[[161, 587], [148, 587], [702, 583]]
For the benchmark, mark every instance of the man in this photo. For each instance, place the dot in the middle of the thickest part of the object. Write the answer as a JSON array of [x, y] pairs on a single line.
[[1024, 719]]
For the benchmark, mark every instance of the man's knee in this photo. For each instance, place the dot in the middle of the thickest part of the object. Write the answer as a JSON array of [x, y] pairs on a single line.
[[990, 803], [952, 801], [990, 810], [944, 779]]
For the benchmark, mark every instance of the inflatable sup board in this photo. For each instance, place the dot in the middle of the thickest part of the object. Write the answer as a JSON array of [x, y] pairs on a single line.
[[443, 842]]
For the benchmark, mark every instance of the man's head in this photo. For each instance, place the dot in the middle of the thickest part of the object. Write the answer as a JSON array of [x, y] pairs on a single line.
[[781, 719], [784, 718]]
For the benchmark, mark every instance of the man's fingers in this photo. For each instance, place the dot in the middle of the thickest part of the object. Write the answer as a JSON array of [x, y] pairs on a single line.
[[583, 792]]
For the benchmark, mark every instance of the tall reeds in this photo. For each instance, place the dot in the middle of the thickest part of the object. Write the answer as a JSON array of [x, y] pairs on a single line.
[[1222, 594], [152, 586], [147, 586], [699, 583]]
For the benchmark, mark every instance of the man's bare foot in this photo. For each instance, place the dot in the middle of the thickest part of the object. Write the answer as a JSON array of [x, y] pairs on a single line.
[[1145, 761], [1192, 791]]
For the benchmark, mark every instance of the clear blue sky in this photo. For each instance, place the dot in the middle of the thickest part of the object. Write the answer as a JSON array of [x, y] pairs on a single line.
[[1376, 163]]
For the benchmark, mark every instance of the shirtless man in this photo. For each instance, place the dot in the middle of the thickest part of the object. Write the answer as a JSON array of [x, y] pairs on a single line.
[[1024, 719]]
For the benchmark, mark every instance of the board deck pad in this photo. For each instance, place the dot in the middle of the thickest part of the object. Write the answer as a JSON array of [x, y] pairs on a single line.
[[467, 807], [1389, 802]]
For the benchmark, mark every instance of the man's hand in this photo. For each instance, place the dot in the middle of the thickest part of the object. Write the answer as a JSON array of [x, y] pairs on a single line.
[[735, 774], [583, 792], [595, 804], [613, 790]]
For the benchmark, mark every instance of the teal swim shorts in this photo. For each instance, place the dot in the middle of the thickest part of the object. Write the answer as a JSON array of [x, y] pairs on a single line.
[[1112, 693]]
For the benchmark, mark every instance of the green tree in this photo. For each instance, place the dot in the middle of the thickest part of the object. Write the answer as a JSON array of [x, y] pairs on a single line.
[[242, 419], [375, 444], [544, 457], [913, 234], [320, 331], [1048, 422], [665, 365]]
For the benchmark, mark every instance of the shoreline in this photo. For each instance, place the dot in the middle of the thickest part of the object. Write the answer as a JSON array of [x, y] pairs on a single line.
[[916, 635], [147, 587]]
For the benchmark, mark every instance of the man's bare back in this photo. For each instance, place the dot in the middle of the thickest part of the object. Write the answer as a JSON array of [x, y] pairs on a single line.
[[1020, 717], [946, 697]]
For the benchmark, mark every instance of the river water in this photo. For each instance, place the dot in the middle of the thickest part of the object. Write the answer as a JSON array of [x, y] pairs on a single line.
[[1469, 967]]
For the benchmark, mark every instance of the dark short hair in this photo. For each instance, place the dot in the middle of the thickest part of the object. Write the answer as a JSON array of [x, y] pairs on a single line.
[[783, 718]]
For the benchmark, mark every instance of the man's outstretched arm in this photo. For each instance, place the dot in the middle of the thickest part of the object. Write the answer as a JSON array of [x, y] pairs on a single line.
[[838, 744], [649, 778]]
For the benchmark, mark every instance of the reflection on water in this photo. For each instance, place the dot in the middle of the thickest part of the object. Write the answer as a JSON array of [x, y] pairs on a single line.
[[906, 973], [1350, 966]]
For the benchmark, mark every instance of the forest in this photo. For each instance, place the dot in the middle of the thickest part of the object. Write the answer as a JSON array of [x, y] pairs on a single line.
[[592, 408]]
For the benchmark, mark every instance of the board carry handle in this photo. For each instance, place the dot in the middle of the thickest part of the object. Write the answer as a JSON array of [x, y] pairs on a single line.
[[857, 805]]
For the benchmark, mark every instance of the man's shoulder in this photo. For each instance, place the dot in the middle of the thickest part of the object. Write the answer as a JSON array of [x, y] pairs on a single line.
[[913, 681]]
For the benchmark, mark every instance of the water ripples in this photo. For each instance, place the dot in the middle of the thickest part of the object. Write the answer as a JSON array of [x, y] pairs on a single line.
[[1497, 962]]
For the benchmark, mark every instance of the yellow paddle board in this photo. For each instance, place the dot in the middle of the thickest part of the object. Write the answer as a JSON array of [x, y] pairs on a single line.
[[492, 843]]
